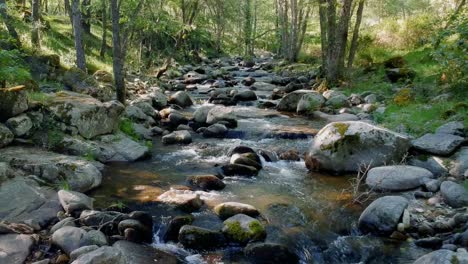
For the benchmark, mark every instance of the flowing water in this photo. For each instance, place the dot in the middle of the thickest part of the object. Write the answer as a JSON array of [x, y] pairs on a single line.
[[310, 213]]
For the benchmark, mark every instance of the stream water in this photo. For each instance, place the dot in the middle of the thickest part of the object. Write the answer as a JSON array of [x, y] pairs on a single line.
[[310, 213]]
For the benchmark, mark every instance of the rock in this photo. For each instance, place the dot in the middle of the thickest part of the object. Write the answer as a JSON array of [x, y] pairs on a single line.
[[24, 201], [371, 99], [183, 200], [459, 166], [248, 81], [69, 238], [206, 182], [181, 99], [178, 137], [454, 194], [331, 93], [432, 185], [89, 116], [201, 113], [337, 101], [215, 131], [143, 254], [69, 221], [81, 175], [122, 148], [175, 119], [142, 232], [355, 99], [242, 229], [334, 118], [81, 251], [174, 226], [219, 114], [134, 113], [442, 256], [6, 136], [239, 170], [266, 253], [431, 242], [310, 102], [142, 132], [397, 178], [438, 144], [158, 99], [13, 101], [78, 81], [431, 163], [19, 125], [14, 248], [381, 217], [263, 86], [290, 101], [397, 74], [74, 201], [103, 76], [229, 209], [346, 146], [103, 255], [290, 155], [453, 128], [246, 96], [95, 237], [200, 238], [247, 159], [96, 218], [193, 77]]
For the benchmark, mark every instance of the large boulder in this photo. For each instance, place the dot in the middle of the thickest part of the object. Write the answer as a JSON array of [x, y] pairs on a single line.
[[14, 248], [347, 146], [290, 101], [103, 255], [80, 82], [382, 216], [6, 136], [124, 148], [201, 113], [397, 178], [13, 101], [242, 228], [221, 113], [454, 194], [79, 174], [143, 254], [20, 125], [310, 102], [181, 99], [438, 144], [24, 201], [200, 238], [89, 116]]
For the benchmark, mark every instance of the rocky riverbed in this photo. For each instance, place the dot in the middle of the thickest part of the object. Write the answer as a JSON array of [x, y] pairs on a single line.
[[224, 162]]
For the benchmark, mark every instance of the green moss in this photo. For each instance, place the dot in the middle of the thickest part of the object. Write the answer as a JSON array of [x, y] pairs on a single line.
[[126, 126], [237, 233], [39, 97], [337, 146], [257, 229], [341, 128]]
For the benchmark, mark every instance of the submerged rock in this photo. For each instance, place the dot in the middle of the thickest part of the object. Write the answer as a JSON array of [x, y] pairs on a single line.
[[397, 178], [347, 146], [443, 256], [381, 217], [239, 170]]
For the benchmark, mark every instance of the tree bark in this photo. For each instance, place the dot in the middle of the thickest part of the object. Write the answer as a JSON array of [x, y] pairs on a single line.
[[117, 52], [323, 32], [36, 23], [354, 41], [78, 33], [102, 52], [86, 16], [8, 23]]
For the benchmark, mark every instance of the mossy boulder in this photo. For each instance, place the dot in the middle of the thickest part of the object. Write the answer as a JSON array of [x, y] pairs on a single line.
[[290, 101], [80, 82], [13, 101], [310, 102], [347, 146], [243, 229], [194, 237]]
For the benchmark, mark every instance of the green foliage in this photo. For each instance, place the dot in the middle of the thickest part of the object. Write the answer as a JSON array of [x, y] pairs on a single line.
[[126, 126], [149, 144], [39, 97], [13, 70], [90, 156]]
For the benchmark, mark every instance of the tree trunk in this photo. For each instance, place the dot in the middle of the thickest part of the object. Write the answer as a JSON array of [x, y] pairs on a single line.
[[342, 38], [354, 41], [102, 53], [36, 23], [78, 33], [248, 28], [86, 16], [8, 23], [323, 32], [117, 52]]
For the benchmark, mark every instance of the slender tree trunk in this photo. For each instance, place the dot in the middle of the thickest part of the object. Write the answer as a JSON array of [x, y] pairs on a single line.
[[332, 56], [248, 28], [323, 32], [343, 35], [354, 41], [86, 16], [78, 33], [117, 51], [102, 53], [8, 23], [36, 23]]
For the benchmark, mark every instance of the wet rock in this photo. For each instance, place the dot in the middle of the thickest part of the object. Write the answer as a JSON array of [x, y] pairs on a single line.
[[290, 101], [178, 137], [206, 182], [89, 116], [181, 99], [81, 251], [245, 96], [346, 146], [201, 114], [15, 248], [174, 226], [220, 113], [69, 238], [200, 238], [20, 125], [247, 159], [80, 174], [239, 170], [242, 229], [442, 256], [184, 200], [103, 255], [97, 218], [265, 253], [142, 233], [229, 209], [74, 201], [453, 128], [215, 131], [382, 216], [354, 249], [6, 136], [290, 155], [438, 144], [143, 254], [454, 194], [397, 178], [310, 102], [175, 119], [249, 81], [13, 101], [431, 242]]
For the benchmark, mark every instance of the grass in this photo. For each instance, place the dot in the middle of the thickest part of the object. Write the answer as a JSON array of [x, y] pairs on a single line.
[[39, 97], [126, 126]]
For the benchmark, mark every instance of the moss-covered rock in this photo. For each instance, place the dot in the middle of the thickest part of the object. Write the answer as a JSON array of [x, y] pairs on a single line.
[[200, 238], [6, 136], [13, 101], [243, 229]]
